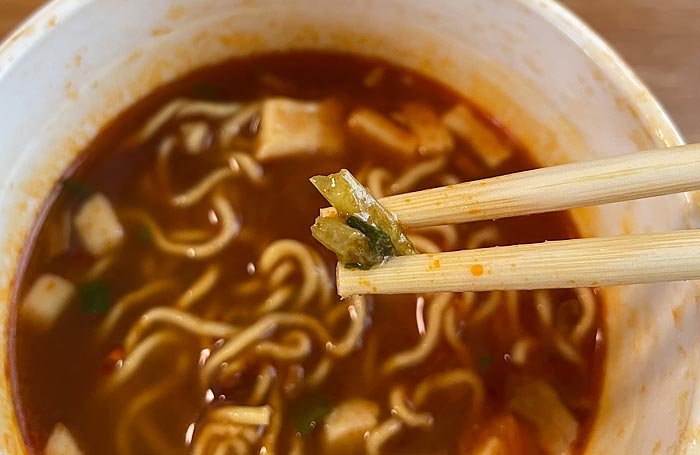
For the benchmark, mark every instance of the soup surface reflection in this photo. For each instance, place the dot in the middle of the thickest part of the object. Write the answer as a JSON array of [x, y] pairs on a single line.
[[174, 301]]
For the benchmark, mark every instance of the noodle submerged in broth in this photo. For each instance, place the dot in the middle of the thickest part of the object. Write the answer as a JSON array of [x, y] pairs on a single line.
[[175, 302]]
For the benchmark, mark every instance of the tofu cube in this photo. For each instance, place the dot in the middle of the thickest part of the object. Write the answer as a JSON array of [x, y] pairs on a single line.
[[377, 129], [98, 226], [61, 442], [486, 143], [345, 427], [46, 300], [431, 133], [291, 128]]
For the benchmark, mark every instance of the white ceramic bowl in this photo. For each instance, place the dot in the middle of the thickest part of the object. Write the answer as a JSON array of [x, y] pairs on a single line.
[[77, 63]]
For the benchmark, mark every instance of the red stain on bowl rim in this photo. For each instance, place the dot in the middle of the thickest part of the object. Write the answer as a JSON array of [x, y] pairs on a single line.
[[30, 196], [678, 313], [176, 13], [160, 31], [71, 91]]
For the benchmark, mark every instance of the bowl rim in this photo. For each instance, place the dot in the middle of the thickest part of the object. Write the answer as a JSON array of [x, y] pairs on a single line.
[[653, 115], [599, 51]]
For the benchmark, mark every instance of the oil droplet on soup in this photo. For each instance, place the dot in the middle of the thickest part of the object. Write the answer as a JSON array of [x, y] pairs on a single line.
[[174, 301]]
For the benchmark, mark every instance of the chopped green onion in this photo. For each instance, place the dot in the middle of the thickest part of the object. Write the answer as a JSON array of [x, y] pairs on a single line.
[[143, 234], [310, 411], [207, 91], [379, 241], [77, 188], [350, 245], [364, 233], [485, 361], [295, 294], [95, 297]]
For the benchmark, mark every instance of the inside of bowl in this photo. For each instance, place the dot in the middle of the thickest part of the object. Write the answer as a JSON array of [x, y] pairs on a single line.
[[529, 64]]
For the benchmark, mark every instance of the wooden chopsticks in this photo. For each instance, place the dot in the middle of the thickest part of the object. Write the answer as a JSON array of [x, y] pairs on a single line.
[[620, 260], [621, 178], [628, 259]]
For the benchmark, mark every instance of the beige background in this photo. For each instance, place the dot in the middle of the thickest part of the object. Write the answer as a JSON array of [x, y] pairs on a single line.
[[659, 38]]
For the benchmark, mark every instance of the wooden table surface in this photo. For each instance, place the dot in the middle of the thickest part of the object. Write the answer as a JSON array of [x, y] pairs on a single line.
[[659, 38]]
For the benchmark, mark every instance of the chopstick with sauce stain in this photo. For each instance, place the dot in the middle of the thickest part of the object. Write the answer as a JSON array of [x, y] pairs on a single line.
[[627, 259], [632, 259]]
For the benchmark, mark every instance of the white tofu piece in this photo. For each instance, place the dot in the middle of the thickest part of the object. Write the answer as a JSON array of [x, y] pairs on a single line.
[[61, 442], [345, 427], [46, 300], [98, 227], [291, 128], [433, 136], [538, 404], [195, 137], [376, 128], [492, 446], [465, 125]]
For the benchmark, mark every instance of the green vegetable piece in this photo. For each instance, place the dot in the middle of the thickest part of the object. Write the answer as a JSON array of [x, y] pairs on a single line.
[[295, 294], [381, 234], [485, 361], [95, 297], [76, 188], [350, 245], [379, 241], [206, 91], [143, 234], [310, 411]]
